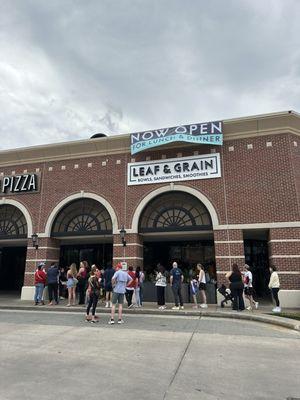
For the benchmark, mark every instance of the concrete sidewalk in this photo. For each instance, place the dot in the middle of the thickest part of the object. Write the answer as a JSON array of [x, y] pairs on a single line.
[[262, 314]]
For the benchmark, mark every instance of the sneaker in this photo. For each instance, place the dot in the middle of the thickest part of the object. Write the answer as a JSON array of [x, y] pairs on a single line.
[[110, 304], [106, 305], [249, 308], [175, 308], [131, 305], [68, 305], [181, 307], [51, 303], [111, 322], [36, 303], [276, 310], [160, 307], [164, 307], [256, 304], [92, 321], [203, 305], [120, 321]]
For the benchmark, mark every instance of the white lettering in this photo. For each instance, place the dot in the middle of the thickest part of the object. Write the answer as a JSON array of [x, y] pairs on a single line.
[[6, 182], [181, 129], [203, 129], [32, 183], [150, 135], [216, 127]]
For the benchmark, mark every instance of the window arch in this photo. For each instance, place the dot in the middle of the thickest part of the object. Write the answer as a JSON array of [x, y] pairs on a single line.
[[12, 223], [82, 217], [175, 211]]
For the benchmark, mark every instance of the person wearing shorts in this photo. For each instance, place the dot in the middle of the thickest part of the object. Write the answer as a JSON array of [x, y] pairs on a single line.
[[119, 281], [248, 288]]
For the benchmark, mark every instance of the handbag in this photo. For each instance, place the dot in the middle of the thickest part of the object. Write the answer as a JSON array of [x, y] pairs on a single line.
[[75, 280]]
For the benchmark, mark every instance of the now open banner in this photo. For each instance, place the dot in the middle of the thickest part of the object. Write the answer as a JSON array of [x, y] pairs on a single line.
[[202, 133]]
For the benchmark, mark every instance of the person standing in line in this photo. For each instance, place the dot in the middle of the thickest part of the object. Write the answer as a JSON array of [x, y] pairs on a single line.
[[107, 277], [82, 277], [141, 283], [236, 287], [202, 285], [274, 285], [248, 288], [161, 284], [130, 287], [137, 287], [176, 279], [71, 284], [94, 293], [39, 283], [52, 277], [62, 287], [194, 281], [119, 282]]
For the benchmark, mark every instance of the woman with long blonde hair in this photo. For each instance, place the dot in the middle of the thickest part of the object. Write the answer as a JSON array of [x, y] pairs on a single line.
[[71, 284]]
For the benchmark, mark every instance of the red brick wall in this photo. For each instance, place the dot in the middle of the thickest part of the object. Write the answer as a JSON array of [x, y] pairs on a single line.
[[258, 185]]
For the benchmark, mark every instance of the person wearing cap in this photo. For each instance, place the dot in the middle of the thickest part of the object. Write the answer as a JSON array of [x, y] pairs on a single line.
[[119, 282], [39, 283]]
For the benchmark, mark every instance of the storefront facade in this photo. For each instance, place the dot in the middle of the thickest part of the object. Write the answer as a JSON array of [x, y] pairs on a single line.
[[238, 202]]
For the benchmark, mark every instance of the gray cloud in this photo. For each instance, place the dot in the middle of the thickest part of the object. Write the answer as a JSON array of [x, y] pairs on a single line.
[[69, 69]]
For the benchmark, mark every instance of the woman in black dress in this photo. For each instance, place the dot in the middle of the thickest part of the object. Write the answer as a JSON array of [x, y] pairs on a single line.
[[237, 287]]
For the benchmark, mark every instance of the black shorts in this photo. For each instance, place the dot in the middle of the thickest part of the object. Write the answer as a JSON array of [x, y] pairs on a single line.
[[108, 288], [249, 291], [202, 286]]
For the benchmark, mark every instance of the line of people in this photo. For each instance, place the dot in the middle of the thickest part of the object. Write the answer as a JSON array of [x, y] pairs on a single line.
[[241, 284], [89, 284]]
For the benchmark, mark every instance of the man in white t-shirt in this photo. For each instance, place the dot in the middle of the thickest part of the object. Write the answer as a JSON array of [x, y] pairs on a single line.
[[248, 288], [119, 282]]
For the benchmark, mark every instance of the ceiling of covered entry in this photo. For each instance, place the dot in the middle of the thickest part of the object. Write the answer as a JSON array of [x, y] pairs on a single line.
[[12, 223], [82, 217], [174, 212]]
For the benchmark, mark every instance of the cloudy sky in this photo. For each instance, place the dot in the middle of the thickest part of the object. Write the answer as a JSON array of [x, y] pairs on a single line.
[[72, 68]]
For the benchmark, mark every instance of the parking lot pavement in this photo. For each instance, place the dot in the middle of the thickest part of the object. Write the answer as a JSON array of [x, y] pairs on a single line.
[[49, 355]]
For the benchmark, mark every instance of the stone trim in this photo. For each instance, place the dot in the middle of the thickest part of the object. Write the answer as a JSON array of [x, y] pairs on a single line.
[[243, 256], [228, 241], [285, 256], [283, 240]]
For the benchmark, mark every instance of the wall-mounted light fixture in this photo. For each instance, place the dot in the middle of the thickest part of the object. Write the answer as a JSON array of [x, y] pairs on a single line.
[[122, 234], [35, 240]]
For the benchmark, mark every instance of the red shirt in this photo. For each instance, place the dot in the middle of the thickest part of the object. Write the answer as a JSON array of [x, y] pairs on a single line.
[[40, 277], [132, 284]]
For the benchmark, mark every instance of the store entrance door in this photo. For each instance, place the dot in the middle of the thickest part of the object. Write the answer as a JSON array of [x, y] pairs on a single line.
[[12, 268], [187, 254]]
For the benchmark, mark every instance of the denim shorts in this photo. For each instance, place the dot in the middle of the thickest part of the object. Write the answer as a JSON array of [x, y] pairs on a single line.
[[117, 298]]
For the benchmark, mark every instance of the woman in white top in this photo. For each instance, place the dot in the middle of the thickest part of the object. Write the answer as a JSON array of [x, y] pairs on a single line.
[[248, 288], [161, 283], [202, 285], [274, 285]]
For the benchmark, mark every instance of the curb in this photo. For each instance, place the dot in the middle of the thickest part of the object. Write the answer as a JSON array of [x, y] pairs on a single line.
[[262, 318]]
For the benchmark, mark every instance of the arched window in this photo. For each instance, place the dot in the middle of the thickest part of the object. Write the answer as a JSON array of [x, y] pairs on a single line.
[[173, 212], [12, 223], [82, 217]]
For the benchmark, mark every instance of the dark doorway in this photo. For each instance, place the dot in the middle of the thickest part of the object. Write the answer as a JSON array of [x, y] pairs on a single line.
[[100, 254], [12, 268], [187, 254], [257, 257]]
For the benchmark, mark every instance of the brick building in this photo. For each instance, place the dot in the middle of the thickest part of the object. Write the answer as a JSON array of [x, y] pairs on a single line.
[[76, 197]]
